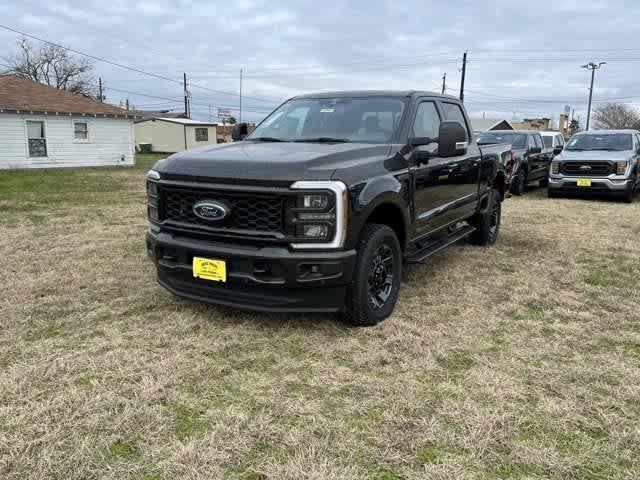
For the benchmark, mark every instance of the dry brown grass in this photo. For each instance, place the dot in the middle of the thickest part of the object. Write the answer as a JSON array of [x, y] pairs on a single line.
[[517, 361]]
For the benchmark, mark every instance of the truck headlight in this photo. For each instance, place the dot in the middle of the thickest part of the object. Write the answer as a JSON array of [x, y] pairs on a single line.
[[555, 168], [319, 216], [152, 196], [621, 168], [315, 201]]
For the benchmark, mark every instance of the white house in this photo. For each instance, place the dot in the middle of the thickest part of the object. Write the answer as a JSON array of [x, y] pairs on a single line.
[[42, 127]]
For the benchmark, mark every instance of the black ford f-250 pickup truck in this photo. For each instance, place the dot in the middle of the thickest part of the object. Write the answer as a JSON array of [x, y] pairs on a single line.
[[318, 209]]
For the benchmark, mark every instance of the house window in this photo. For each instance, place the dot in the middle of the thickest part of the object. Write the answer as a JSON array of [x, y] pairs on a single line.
[[81, 131], [37, 139], [202, 134]]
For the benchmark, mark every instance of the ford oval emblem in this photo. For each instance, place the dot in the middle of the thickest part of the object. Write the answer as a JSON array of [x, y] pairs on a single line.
[[211, 210]]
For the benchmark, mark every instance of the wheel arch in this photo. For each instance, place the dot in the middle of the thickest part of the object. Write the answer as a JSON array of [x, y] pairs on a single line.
[[390, 214]]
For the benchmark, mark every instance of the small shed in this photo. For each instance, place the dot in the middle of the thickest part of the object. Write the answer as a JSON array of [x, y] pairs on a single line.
[[43, 127], [170, 135]]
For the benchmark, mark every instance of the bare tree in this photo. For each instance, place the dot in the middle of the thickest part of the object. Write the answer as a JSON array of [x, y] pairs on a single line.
[[54, 66], [616, 116]]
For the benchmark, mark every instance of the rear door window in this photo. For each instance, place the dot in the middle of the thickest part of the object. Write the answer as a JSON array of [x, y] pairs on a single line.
[[538, 140], [453, 112], [427, 121]]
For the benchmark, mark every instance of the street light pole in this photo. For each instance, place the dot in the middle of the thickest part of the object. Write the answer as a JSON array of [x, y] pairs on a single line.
[[593, 67]]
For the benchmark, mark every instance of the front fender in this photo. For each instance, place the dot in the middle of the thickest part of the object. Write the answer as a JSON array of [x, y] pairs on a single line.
[[368, 196]]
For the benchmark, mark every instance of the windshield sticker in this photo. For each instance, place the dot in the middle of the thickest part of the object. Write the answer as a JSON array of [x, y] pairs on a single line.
[[327, 110]]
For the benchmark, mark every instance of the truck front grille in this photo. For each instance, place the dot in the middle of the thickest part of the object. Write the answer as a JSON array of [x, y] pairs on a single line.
[[588, 169], [259, 213]]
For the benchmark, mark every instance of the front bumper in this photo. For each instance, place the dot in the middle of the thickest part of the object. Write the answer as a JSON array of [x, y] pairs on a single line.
[[598, 184], [274, 279]]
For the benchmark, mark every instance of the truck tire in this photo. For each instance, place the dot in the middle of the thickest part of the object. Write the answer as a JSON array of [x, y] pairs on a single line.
[[519, 183], [544, 183], [627, 196], [553, 193], [487, 221], [373, 293]]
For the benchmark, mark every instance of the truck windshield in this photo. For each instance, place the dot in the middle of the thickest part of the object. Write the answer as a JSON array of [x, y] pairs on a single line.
[[548, 141], [517, 140], [339, 119], [608, 141]]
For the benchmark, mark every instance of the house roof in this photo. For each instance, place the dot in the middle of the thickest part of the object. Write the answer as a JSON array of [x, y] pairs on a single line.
[[484, 124], [181, 121], [20, 94]]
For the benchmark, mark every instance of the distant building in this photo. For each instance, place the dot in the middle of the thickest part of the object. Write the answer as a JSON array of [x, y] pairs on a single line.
[[542, 124], [484, 124], [170, 135], [43, 127], [161, 114]]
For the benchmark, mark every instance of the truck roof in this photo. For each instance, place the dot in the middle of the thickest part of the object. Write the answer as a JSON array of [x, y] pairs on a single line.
[[608, 132], [512, 131], [376, 93]]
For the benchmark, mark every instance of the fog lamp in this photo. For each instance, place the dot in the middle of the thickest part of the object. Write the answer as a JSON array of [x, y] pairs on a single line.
[[315, 231]]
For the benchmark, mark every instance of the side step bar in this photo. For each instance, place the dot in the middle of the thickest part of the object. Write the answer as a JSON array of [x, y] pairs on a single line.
[[434, 247]]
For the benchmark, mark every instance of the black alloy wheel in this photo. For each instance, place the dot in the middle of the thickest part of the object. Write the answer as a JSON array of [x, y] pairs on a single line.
[[380, 280]]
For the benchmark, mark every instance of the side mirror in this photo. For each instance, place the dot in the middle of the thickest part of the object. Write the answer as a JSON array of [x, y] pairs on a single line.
[[453, 140], [420, 141], [239, 131], [423, 149], [535, 150], [557, 150]]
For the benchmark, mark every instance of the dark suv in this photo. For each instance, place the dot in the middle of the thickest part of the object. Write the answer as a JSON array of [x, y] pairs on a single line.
[[529, 160], [319, 207]]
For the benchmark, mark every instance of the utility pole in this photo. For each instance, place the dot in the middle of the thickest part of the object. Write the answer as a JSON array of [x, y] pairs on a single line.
[[127, 104], [100, 88], [210, 118], [444, 83], [464, 73], [593, 67], [240, 115], [187, 112]]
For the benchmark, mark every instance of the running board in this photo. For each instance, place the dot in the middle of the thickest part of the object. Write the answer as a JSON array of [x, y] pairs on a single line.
[[433, 248]]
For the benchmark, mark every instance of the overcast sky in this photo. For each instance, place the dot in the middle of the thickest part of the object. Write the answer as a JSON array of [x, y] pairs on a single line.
[[524, 57]]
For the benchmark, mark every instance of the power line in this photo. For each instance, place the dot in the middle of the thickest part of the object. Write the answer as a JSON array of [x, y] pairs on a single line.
[[292, 68], [127, 67], [175, 100]]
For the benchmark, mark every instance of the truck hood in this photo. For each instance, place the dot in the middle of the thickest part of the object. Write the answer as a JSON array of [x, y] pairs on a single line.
[[249, 160], [595, 155]]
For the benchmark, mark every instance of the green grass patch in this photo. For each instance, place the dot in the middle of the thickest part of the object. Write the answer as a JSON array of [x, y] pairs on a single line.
[[434, 452], [457, 361], [49, 331], [189, 422], [122, 450], [632, 347]]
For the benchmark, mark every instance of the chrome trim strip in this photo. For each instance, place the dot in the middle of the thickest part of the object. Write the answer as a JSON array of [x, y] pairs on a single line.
[[340, 191]]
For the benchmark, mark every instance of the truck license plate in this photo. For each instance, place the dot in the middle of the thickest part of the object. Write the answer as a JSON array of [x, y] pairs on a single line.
[[210, 269], [584, 182]]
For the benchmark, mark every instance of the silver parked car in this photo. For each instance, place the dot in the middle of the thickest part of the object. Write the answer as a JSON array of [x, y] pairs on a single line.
[[597, 161]]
